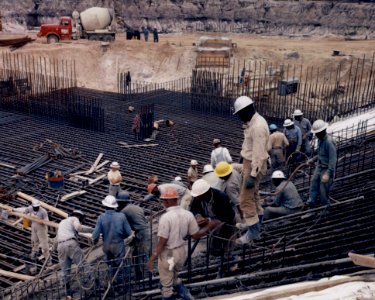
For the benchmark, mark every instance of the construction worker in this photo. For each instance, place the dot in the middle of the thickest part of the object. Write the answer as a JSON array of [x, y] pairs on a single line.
[[153, 192], [326, 159], [209, 175], [286, 202], [231, 186], [255, 156], [294, 136], [156, 35], [174, 226], [69, 251], [305, 126], [277, 144], [115, 178], [219, 154], [145, 33], [184, 193], [212, 204], [114, 228], [141, 228], [39, 232], [192, 174]]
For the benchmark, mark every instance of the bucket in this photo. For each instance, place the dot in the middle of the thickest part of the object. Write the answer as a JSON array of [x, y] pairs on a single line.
[[55, 182], [25, 223]]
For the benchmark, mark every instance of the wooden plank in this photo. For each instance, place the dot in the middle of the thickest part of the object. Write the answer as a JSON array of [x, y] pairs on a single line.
[[7, 165], [17, 222], [72, 195], [15, 275], [93, 167], [92, 181], [19, 268], [102, 165], [31, 218], [363, 260], [43, 204]]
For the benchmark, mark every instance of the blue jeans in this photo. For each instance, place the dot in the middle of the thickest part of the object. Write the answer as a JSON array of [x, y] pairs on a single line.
[[113, 255], [319, 189]]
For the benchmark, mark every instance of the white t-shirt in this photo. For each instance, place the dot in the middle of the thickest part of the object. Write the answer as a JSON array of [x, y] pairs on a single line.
[[114, 175], [175, 225]]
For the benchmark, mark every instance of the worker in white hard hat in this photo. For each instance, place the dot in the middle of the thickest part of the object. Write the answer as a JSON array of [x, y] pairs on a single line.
[[114, 228], [305, 126], [210, 176], [286, 202], [219, 153], [294, 136], [115, 178], [212, 204], [192, 174], [174, 226], [255, 155], [69, 251], [326, 160], [39, 232], [277, 144]]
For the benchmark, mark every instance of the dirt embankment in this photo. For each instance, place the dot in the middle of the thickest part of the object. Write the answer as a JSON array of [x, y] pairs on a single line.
[[174, 56]]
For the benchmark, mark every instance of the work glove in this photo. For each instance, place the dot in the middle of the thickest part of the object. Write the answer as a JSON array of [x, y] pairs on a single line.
[[325, 177], [250, 183], [310, 162], [130, 238]]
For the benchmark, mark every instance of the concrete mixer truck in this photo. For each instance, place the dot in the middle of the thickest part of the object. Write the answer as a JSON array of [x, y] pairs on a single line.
[[95, 23]]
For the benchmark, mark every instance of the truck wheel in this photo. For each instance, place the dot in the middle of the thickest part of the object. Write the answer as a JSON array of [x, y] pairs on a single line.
[[52, 39]]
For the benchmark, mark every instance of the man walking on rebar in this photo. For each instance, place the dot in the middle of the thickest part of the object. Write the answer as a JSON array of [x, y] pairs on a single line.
[[114, 228], [277, 144], [115, 178], [68, 248], [255, 155], [192, 174], [219, 154], [39, 232], [305, 126], [294, 136], [174, 226], [142, 240], [326, 159]]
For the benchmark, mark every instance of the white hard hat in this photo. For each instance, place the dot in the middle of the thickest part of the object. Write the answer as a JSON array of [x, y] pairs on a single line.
[[297, 113], [318, 126], [110, 201], [241, 103], [115, 164], [78, 212], [193, 162], [288, 122], [35, 203], [178, 178], [278, 175], [216, 141], [200, 187], [207, 169]]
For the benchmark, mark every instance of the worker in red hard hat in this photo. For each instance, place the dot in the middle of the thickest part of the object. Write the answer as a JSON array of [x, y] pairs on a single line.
[[254, 153], [174, 225]]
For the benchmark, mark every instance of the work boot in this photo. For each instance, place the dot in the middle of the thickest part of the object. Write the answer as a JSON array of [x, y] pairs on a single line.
[[253, 233], [183, 292]]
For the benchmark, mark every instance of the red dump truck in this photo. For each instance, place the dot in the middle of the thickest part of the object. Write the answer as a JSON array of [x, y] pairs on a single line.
[[95, 23]]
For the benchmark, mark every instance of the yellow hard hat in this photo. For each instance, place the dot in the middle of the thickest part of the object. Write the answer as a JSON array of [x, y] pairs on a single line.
[[223, 169]]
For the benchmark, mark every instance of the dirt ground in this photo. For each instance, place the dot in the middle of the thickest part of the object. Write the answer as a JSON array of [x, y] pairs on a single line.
[[174, 56]]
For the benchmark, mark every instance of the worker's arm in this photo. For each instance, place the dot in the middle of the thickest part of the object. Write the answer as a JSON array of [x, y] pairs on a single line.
[[260, 154], [206, 229], [286, 142], [213, 159], [81, 228], [162, 242], [127, 229], [97, 231], [227, 156], [332, 158], [269, 145], [299, 139], [24, 210]]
